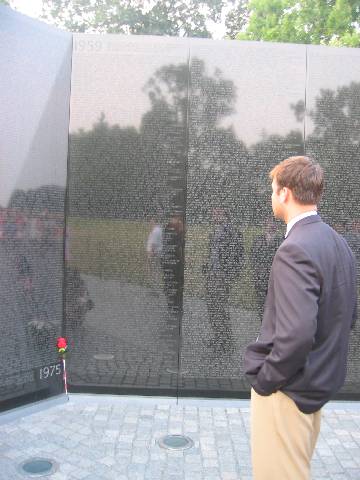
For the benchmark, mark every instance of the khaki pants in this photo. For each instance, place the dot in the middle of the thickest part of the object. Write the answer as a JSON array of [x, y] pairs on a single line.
[[282, 438]]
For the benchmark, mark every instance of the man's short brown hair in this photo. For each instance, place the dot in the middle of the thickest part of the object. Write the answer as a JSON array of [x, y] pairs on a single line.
[[302, 176]]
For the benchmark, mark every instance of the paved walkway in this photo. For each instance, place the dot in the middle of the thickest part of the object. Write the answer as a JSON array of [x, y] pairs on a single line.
[[115, 438]]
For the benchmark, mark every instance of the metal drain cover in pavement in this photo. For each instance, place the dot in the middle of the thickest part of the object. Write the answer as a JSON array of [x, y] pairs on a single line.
[[175, 442], [38, 467]]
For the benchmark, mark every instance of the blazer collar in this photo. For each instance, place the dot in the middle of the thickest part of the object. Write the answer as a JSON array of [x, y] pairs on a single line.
[[305, 221]]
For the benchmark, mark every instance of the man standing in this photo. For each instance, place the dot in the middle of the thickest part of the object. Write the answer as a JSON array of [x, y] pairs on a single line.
[[299, 359], [225, 262], [154, 246], [261, 255]]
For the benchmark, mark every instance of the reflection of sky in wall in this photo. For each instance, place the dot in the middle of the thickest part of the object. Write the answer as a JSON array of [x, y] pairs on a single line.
[[263, 88], [260, 73], [110, 74], [34, 90]]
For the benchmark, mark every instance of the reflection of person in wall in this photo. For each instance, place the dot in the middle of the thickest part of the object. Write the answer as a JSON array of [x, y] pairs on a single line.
[[225, 261], [58, 231], [154, 246], [33, 231], [262, 254], [20, 222], [3, 216], [25, 279], [78, 301], [46, 228], [298, 361], [25, 273], [10, 225], [172, 263]]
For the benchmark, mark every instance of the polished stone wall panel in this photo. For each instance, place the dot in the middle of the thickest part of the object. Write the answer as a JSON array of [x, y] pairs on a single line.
[[126, 211], [241, 123], [332, 137], [35, 93], [163, 131]]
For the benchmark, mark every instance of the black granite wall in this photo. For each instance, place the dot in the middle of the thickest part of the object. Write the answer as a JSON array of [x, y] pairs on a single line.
[[170, 224], [169, 229], [128, 157], [332, 137], [35, 93]]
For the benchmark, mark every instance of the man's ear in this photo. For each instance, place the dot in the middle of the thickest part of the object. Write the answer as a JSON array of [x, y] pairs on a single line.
[[284, 194]]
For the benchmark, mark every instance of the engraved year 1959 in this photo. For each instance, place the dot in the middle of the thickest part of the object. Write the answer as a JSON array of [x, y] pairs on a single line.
[[88, 45]]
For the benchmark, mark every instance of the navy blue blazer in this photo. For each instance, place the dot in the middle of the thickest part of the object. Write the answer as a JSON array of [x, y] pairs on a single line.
[[310, 308]]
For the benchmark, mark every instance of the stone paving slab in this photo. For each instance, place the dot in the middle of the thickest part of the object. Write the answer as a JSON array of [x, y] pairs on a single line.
[[115, 438]]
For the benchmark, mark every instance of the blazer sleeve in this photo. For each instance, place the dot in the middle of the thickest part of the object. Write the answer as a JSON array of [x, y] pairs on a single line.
[[297, 285]]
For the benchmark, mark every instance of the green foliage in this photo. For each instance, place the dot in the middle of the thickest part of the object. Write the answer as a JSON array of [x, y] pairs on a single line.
[[159, 17], [237, 18], [326, 22]]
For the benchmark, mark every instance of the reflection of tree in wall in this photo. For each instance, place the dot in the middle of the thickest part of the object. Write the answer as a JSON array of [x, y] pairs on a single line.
[[105, 175], [335, 143], [163, 133], [127, 173], [216, 157], [264, 155]]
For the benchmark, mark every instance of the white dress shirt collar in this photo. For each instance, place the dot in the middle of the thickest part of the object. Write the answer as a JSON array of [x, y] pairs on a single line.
[[297, 218]]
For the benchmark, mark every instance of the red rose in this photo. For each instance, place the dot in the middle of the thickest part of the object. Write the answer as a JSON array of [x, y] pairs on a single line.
[[61, 342]]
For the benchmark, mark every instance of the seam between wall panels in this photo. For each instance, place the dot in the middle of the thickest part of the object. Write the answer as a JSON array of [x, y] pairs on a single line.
[[186, 167]]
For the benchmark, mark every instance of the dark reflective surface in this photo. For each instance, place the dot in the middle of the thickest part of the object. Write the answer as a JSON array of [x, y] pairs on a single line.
[[35, 89], [170, 235], [333, 137], [240, 125], [171, 304], [126, 211]]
